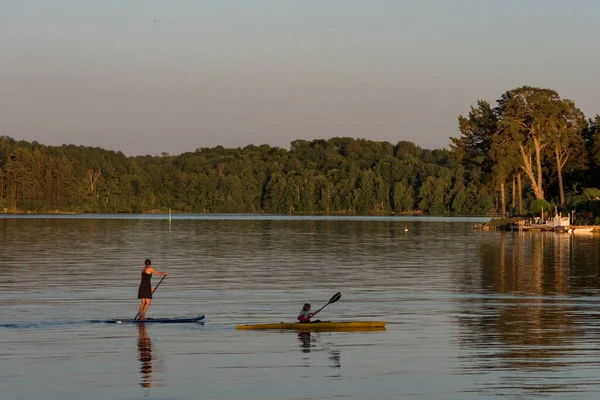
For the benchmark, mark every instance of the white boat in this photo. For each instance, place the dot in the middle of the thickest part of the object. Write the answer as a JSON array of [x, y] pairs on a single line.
[[583, 230], [558, 222]]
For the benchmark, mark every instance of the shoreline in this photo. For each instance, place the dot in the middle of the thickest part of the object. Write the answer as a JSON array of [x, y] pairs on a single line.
[[299, 214], [520, 224], [249, 217]]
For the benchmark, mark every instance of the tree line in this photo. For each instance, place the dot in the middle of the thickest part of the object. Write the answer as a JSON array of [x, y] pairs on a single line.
[[532, 138]]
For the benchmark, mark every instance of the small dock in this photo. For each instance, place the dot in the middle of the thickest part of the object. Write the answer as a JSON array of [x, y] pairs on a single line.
[[557, 224], [559, 229]]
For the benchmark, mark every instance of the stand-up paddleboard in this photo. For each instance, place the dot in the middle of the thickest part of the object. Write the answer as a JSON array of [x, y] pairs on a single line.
[[173, 320]]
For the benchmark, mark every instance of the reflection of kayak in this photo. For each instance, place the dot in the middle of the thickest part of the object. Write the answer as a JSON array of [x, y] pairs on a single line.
[[320, 326], [174, 320]]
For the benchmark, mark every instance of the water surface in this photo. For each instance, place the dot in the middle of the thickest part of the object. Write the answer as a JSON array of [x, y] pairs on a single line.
[[471, 315]]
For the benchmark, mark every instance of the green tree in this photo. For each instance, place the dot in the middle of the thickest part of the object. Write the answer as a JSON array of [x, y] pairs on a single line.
[[473, 147], [566, 135], [404, 197], [595, 142], [526, 114], [592, 138], [433, 194]]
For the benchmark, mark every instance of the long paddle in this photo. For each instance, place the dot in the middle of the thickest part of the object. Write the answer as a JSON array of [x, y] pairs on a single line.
[[156, 287], [335, 298]]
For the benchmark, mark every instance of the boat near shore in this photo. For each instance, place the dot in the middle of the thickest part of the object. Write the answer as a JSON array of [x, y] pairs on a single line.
[[582, 230]]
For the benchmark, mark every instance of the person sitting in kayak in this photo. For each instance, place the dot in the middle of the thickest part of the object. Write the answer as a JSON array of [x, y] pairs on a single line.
[[305, 315]]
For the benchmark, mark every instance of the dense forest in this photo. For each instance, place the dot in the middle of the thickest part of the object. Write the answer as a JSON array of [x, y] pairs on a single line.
[[531, 150]]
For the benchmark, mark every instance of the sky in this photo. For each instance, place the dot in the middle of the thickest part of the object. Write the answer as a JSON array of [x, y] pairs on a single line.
[[148, 76]]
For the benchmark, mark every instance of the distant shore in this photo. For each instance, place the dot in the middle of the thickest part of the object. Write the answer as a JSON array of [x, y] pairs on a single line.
[[166, 212]]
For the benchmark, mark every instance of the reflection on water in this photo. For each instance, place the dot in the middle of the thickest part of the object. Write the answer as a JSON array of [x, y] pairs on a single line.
[[336, 358], [309, 342], [305, 338], [145, 356], [533, 321]]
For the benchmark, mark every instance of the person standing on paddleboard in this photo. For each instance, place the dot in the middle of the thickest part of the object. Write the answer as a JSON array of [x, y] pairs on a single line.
[[145, 290]]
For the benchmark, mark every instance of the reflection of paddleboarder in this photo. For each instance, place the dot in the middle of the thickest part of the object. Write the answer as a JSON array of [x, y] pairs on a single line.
[[145, 350], [145, 290]]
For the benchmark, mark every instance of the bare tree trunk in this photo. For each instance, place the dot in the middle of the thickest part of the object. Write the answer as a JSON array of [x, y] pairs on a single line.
[[520, 186], [561, 160], [538, 159], [562, 191], [502, 200], [514, 197], [528, 168], [93, 179], [496, 202]]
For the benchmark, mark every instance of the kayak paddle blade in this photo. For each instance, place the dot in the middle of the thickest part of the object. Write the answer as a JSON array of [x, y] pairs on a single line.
[[335, 298]]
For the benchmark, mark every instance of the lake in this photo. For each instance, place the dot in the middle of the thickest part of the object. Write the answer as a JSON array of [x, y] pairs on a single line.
[[471, 314]]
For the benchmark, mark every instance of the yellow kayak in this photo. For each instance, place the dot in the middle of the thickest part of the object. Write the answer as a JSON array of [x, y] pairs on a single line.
[[320, 326]]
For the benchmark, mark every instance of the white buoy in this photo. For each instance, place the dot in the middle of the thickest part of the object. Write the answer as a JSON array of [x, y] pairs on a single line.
[[405, 229]]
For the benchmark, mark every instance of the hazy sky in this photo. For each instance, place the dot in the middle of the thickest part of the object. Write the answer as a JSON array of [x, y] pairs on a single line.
[[146, 76]]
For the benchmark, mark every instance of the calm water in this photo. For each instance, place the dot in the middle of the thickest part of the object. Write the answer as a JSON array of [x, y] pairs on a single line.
[[471, 315]]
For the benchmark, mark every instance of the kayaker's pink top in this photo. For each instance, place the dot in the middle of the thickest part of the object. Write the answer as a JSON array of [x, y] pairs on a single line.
[[304, 316]]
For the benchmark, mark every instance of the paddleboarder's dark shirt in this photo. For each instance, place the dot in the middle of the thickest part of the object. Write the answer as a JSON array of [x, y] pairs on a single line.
[[145, 290]]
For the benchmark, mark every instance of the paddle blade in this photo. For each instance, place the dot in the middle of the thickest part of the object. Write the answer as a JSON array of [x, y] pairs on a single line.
[[335, 298]]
